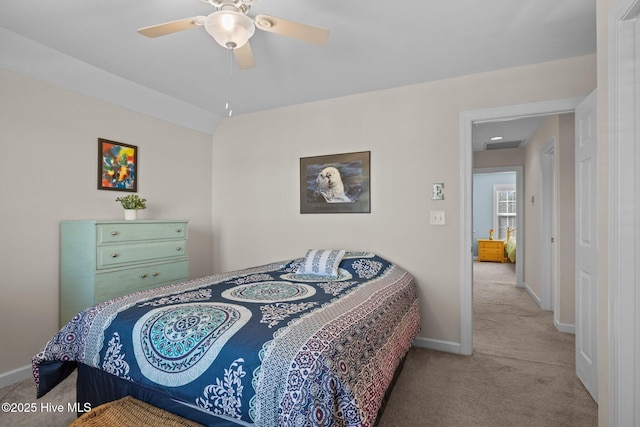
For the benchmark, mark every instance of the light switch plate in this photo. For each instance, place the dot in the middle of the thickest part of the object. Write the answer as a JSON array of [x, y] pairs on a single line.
[[437, 218]]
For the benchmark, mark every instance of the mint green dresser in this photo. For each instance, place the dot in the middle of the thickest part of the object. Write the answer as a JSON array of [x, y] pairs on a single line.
[[101, 260]]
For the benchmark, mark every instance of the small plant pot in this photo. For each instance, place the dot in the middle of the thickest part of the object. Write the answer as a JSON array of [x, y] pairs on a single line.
[[130, 214]]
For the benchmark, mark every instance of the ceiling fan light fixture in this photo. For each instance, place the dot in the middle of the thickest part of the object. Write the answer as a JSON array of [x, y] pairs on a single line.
[[229, 28]]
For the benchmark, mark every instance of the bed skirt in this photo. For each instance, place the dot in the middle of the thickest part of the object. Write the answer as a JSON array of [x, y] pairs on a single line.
[[95, 387]]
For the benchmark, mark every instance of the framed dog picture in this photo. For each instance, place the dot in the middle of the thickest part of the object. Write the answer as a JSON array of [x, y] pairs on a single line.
[[337, 183]]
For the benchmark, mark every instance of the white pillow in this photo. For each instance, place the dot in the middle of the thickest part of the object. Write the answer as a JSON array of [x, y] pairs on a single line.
[[321, 262]]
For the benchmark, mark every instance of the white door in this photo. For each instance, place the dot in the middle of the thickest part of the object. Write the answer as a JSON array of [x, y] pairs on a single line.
[[586, 245]]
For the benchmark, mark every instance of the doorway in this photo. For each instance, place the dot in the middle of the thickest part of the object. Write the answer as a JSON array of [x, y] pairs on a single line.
[[485, 178], [581, 304], [467, 121]]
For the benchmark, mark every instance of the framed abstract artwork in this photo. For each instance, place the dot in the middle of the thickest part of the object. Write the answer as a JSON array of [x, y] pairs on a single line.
[[337, 183], [117, 166]]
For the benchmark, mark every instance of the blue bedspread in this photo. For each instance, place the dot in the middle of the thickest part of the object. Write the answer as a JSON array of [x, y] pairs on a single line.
[[263, 346]]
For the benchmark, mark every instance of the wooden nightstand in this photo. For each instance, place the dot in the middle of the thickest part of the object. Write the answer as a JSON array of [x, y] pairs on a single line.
[[490, 250]]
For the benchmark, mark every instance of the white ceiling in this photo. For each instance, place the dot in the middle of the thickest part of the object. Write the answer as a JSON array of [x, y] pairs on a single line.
[[372, 44]]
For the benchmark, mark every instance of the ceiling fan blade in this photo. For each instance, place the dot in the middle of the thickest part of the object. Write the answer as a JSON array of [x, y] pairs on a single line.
[[244, 56], [293, 29], [172, 27]]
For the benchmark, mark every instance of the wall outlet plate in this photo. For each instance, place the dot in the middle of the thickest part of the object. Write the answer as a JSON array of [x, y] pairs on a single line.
[[437, 218]]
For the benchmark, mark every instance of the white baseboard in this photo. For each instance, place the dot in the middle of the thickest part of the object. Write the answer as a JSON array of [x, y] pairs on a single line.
[[431, 344], [561, 327], [533, 295], [565, 327], [11, 377]]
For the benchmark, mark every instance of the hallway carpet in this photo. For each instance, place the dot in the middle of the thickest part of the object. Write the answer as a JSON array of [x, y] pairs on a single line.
[[522, 372]]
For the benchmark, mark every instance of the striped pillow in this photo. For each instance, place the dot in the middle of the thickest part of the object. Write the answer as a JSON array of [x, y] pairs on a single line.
[[321, 262]]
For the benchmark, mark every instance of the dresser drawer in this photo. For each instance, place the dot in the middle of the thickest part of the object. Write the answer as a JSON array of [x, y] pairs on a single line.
[[492, 251], [136, 231], [123, 282], [491, 257], [492, 244], [119, 255], [103, 259]]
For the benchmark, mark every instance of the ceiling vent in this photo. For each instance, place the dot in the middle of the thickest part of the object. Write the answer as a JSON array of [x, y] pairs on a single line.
[[501, 145]]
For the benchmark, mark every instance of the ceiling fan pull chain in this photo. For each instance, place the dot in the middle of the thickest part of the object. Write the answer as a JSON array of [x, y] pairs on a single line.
[[227, 106]]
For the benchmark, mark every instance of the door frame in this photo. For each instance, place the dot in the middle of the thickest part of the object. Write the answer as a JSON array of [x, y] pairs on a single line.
[[548, 208], [467, 119], [624, 220]]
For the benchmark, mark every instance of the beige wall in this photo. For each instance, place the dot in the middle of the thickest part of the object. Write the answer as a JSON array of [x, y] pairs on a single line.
[[558, 128], [565, 224], [497, 158], [48, 168], [532, 206], [413, 134]]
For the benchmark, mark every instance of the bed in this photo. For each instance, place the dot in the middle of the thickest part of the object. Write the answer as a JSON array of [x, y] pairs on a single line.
[[510, 245], [311, 341]]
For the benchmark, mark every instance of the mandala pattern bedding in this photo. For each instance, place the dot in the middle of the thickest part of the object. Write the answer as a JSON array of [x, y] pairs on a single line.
[[264, 346]]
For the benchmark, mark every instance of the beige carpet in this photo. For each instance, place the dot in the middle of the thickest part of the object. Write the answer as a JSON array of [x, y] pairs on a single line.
[[522, 372]]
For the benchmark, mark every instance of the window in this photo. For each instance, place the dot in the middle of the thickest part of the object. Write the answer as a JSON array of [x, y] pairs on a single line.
[[505, 208]]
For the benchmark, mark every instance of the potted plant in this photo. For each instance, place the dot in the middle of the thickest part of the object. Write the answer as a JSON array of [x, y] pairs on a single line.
[[132, 203]]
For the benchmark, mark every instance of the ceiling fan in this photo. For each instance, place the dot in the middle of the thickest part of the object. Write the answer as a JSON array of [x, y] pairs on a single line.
[[232, 28]]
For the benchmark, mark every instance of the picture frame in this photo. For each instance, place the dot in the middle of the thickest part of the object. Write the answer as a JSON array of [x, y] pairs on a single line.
[[336, 183], [117, 166]]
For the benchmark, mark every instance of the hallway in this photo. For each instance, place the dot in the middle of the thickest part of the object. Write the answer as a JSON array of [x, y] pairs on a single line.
[[522, 371], [507, 322]]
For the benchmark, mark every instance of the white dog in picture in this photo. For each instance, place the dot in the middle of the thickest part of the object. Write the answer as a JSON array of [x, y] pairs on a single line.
[[330, 186]]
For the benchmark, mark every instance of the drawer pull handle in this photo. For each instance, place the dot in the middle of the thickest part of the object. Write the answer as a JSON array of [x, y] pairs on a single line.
[[156, 274], [114, 255], [114, 233], [178, 230], [144, 275], [178, 248]]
